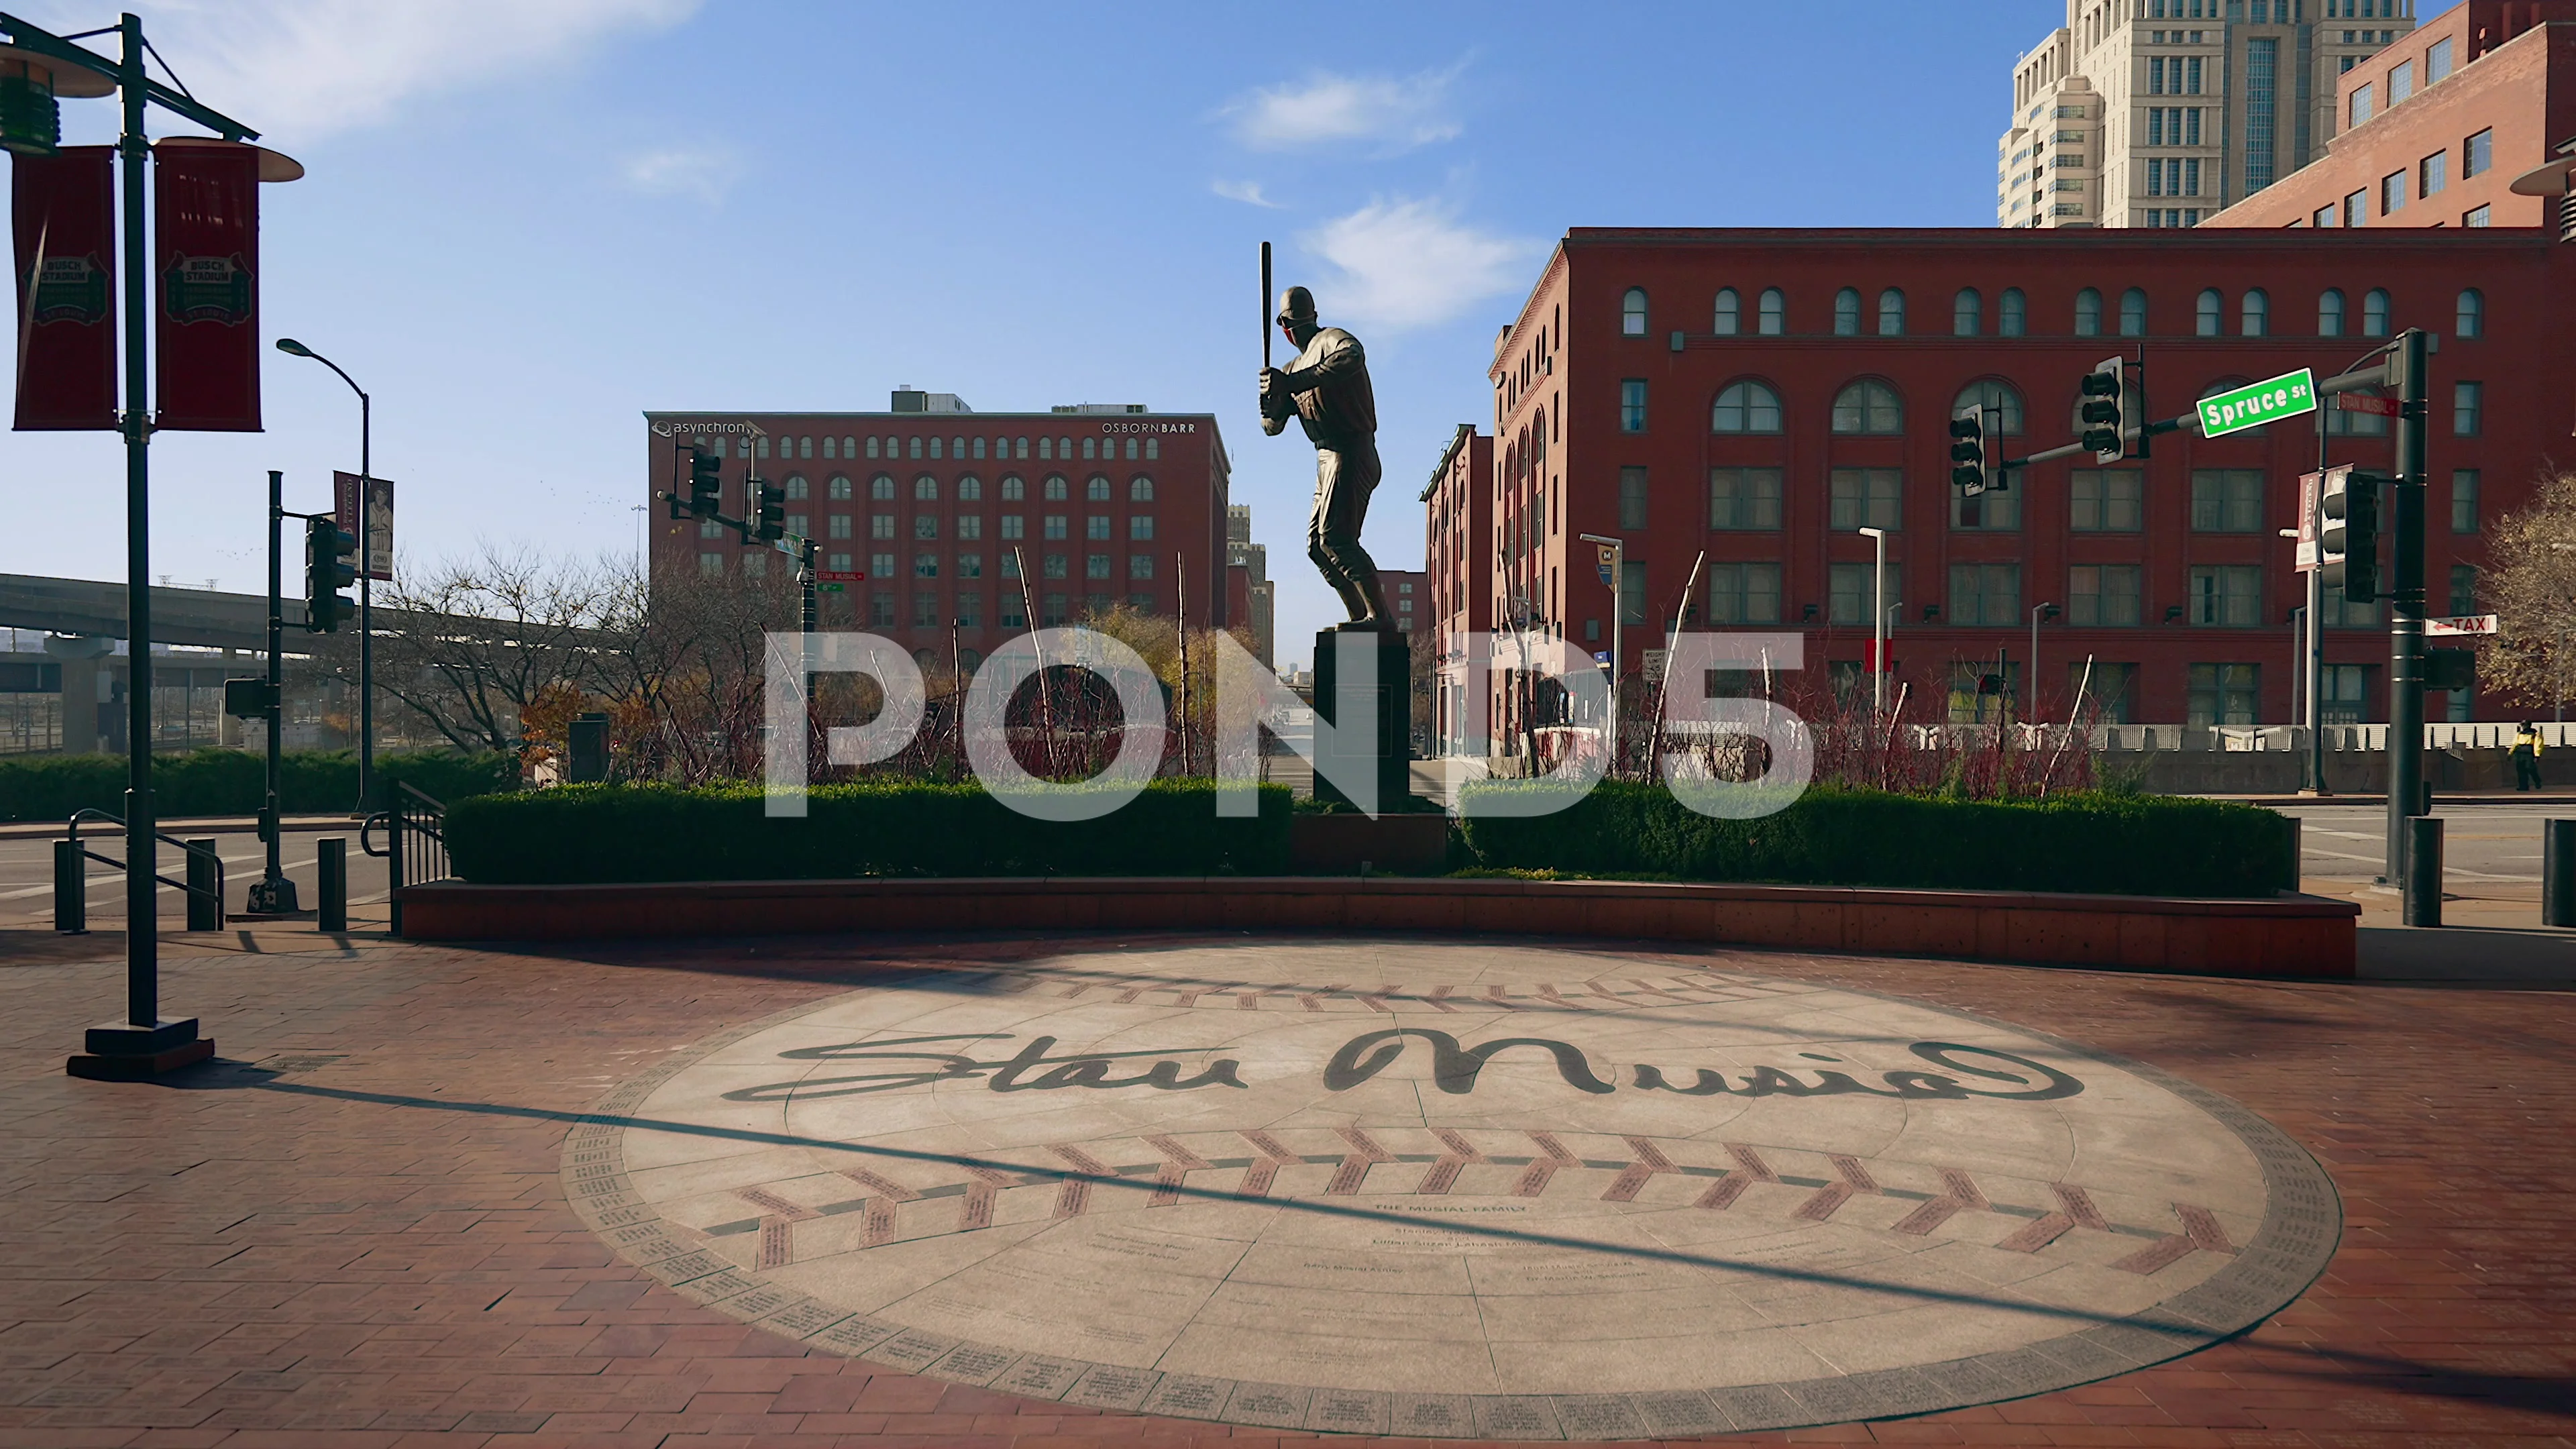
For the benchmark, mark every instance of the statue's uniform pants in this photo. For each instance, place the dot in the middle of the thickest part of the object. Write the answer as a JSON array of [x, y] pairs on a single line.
[[1345, 476]]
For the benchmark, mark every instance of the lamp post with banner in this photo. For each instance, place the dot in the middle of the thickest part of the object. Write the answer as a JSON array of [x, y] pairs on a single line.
[[1614, 573], [356, 500], [203, 216]]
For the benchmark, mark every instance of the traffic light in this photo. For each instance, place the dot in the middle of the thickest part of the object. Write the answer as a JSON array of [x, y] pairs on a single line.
[[1972, 463], [706, 483], [327, 571], [2348, 545], [2450, 669], [769, 524], [2099, 412]]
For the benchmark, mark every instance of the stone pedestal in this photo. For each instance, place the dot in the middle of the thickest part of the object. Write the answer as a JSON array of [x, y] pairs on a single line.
[[1387, 751]]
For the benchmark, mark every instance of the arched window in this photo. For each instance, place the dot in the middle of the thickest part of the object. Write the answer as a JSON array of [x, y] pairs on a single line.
[[2012, 314], [2133, 312], [2001, 400], [881, 487], [1745, 407], [1847, 312], [2471, 319], [831, 448], [797, 487], [2374, 313], [2088, 313], [1014, 488], [1632, 313], [1140, 489], [2330, 312], [1730, 312], [925, 489], [1775, 312], [1868, 406], [872, 447], [2254, 318], [804, 447], [970, 489], [1096, 490], [968, 661], [1967, 313], [849, 447], [1055, 488], [1891, 313], [2208, 314]]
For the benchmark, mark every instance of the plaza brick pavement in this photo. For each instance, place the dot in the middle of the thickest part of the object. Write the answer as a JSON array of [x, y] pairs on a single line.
[[354, 1234]]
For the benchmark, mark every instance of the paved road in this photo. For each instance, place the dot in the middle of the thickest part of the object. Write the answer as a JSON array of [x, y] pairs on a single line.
[[2487, 850], [27, 876]]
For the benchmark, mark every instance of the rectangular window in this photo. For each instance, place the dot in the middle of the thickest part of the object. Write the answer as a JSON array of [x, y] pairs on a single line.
[[2432, 173], [970, 606], [839, 563], [2356, 208], [2191, 126], [881, 610], [709, 528], [1095, 566], [925, 611], [1632, 498], [1985, 594], [2191, 176], [2468, 408], [2342, 694], [2362, 96], [2262, 64], [1745, 593], [2156, 76], [2102, 595], [970, 565], [1867, 497], [2477, 154], [880, 525], [2401, 81], [1013, 609], [2226, 596], [1989, 512], [1140, 565], [925, 526], [2191, 76], [2464, 588], [2325, 216], [1140, 526], [2464, 500], [711, 564], [2341, 613], [1851, 591], [2105, 500], [2103, 687], [2223, 694], [2227, 500], [1632, 405], [1096, 527], [925, 566], [2437, 61], [798, 524], [971, 526], [881, 565], [1632, 593], [2477, 217], [2155, 125], [1744, 498], [838, 526], [1055, 525], [1052, 611]]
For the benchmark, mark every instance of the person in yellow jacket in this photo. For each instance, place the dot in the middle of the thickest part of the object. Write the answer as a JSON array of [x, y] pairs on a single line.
[[2526, 756]]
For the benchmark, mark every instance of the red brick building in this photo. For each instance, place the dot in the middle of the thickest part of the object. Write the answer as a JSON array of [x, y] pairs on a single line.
[[1458, 538], [1750, 399], [2436, 127], [941, 510]]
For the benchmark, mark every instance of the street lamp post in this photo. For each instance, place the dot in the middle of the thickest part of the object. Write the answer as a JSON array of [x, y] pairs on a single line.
[[366, 571], [2037, 613], [1878, 627], [1618, 576]]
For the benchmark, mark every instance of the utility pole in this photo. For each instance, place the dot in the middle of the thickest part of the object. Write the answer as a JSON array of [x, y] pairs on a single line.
[[275, 894], [2406, 605]]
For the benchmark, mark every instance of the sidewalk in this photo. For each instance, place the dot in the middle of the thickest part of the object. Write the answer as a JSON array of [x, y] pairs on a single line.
[[179, 825]]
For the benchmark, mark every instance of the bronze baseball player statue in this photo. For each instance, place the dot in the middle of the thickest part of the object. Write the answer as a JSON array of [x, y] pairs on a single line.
[[1326, 388]]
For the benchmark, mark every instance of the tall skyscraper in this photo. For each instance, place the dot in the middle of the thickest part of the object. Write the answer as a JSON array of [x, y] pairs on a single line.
[[2161, 112]]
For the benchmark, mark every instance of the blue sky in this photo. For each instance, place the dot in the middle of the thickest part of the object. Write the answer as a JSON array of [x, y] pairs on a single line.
[[527, 221]]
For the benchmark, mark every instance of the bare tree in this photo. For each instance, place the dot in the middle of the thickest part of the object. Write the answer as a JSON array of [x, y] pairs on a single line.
[[2530, 581]]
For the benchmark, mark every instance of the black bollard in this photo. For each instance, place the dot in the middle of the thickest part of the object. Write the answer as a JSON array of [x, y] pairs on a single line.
[[205, 899], [2558, 872], [332, 859], [71, 888], [2423, 871]]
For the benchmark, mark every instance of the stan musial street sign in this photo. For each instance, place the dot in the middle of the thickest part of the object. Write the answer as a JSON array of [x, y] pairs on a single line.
[[2286, 396]]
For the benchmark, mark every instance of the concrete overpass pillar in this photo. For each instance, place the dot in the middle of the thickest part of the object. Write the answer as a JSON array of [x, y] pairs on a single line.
[[81, 660]]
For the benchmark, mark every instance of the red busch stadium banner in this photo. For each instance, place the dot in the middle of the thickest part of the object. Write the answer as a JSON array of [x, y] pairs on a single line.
[[63, 218], [205, 212]]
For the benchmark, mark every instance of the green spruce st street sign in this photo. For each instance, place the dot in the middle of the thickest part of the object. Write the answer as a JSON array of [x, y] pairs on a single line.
[[2286, 396]]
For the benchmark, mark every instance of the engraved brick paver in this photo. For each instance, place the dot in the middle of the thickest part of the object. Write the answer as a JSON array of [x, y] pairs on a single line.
[[358, 1234]]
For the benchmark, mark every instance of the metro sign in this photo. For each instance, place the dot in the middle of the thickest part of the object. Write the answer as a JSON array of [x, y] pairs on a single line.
[[2286, 396]]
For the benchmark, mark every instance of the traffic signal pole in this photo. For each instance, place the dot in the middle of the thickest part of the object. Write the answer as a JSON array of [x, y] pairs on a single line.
[[2406, 608], [275, 893]]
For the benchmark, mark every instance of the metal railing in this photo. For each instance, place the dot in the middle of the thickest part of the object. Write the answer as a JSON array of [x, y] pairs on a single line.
[[415, 848], [204, 884]]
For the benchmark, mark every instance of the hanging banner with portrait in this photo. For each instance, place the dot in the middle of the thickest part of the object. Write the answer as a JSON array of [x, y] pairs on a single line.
[[62, 211], [205, 211], [378, 495]]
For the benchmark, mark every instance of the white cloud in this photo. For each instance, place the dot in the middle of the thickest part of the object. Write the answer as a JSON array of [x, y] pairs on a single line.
[[1398, 112], [703, 172], [1409, 264], [1247, 192], [300, 69]]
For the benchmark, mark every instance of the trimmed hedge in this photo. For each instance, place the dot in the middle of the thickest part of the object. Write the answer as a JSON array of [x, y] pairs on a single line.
[[233, 782], [591, 834], [2090, 843]]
